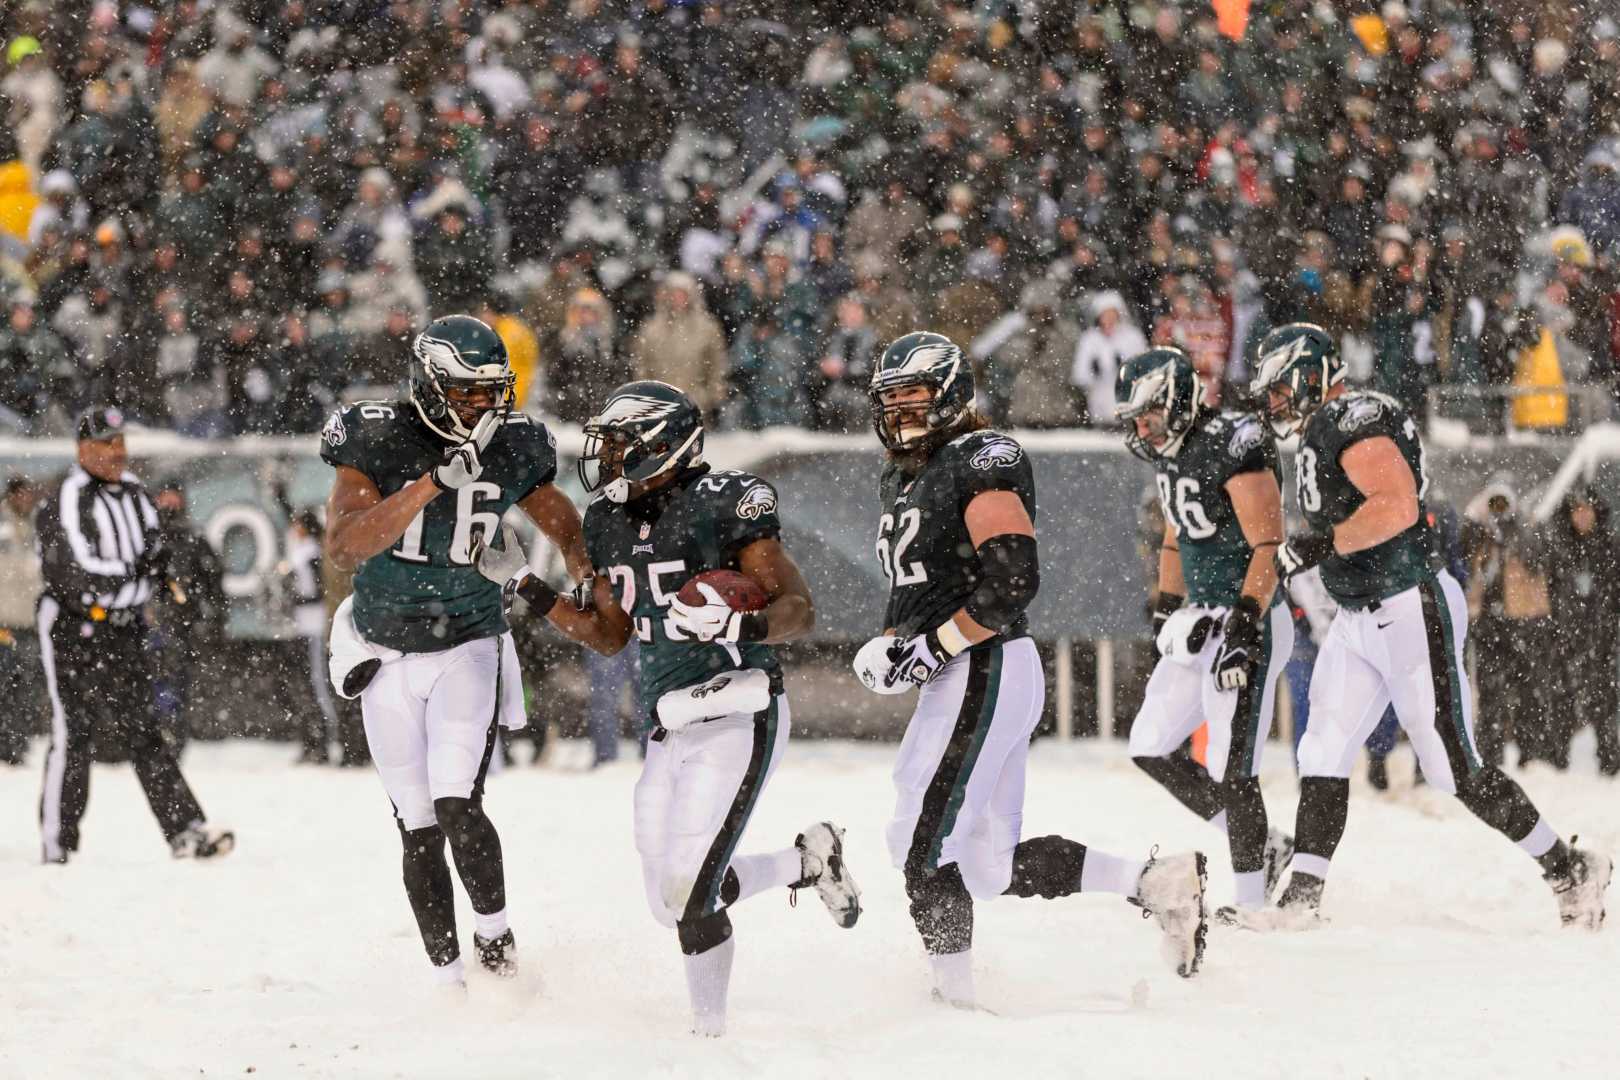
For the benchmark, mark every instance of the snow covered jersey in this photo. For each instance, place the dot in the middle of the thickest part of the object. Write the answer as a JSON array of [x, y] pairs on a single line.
[[1327, 497], [1192, 491], [424, 594], [649, 547], [923, 543]]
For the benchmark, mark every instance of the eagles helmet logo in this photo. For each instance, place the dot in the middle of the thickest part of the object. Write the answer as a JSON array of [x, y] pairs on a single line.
[[999, 452], [334, 433], [756, 501], [633, 408]]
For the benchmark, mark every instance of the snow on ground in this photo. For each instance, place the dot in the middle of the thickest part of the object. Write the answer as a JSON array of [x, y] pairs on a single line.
[[297, 956]]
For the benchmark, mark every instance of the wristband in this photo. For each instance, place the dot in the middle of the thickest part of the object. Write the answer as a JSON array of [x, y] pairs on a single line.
[[746, 626], [537, 594], [952, 642]]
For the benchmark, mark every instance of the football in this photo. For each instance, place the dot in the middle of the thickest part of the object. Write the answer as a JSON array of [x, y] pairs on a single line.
[[740, 591]]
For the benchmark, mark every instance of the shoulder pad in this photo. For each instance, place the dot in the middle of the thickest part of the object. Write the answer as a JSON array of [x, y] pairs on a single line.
[[1247, 434], [989, 449]]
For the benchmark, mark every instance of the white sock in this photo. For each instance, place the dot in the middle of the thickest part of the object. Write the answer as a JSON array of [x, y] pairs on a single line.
[[1314, 865], [953, 976], [1251, 888], [708, 977], [1540, 840], [756, 873], [1103, 872], [1219, 821], [491, 926], [450, 974]]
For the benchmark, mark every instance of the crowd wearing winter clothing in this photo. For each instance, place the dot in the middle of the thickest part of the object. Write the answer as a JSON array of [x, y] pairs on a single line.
[[226, 215]]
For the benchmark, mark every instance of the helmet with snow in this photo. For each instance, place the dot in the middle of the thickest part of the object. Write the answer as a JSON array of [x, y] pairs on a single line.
[[928, 360], [1296, 367], [461, 372], [1162, 390], [647, 429]]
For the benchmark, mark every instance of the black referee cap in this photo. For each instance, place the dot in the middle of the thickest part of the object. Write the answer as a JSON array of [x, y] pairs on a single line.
[[100, 423]]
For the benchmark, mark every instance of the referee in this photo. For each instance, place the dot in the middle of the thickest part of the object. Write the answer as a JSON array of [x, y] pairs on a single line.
[[102, 557]]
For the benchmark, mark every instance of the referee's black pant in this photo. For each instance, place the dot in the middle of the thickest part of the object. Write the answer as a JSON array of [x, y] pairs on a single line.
[[101, 678]]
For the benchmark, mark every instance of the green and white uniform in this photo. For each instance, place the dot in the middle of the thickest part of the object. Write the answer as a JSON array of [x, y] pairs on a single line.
[[699, 785], [1402, 621], [450, 670], [1182, 695]]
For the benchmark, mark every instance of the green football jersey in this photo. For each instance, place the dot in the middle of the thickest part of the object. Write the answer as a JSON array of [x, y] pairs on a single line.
[[923, 544], [649, 548], [1192, 491], [1327, 497], [424, 594]]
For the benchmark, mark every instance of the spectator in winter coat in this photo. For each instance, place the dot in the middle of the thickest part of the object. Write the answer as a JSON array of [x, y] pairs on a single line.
[[1584, 573], [682, 344], [1107, 343], [1037, 360], [585, 366], [837, 388], [1593, 204]]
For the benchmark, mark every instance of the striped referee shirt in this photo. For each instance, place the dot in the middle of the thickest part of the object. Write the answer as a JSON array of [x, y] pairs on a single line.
[[91, 535]]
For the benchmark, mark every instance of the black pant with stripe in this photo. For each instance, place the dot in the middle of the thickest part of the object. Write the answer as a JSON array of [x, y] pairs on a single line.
[[100, 678]]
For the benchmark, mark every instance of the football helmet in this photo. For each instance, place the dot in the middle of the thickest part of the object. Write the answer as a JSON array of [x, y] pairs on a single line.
[[458, 356], [921, 359], [646, 429], [1296, 366], [1159, 379]]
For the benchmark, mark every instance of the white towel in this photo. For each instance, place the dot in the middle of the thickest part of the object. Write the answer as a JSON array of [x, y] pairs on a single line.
[[1186, 632], [351, 660], [731, 692], [513, 713]]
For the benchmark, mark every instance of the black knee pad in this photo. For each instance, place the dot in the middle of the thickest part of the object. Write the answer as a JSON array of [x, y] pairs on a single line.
[[458, 817], [1048, 867], [703, 933], [420, 841], [941, 908]]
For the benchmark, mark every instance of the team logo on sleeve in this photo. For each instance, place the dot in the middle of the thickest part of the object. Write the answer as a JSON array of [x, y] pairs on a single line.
[[998, 452], [1248, 435], [1361, 411], [756, 501], [334, 433]]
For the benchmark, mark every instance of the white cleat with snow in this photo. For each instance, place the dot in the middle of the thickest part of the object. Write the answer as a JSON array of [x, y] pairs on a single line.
[[821, 861], [1580, 892], [202, 841], [1171, 890]]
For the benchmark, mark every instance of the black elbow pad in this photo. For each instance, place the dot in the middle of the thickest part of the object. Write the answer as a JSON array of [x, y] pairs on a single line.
[[1012, 577]]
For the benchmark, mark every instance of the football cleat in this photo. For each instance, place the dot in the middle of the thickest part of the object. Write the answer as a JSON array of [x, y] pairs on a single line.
[[821, 861], [1278, 854], [1299, 908], [1580, 891], [202, 841], [498, 955], [1171, 891]]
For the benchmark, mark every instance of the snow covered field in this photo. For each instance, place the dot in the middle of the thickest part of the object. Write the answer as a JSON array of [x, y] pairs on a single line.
[[297, 956]]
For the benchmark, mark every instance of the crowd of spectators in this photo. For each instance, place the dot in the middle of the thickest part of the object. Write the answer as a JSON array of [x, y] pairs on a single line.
[[226, 215]]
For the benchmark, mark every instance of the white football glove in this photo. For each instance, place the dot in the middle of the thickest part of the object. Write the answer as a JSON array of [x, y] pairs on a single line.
[[503, 562], [918, 659], [874, 668], [464, 462], [704, 622]]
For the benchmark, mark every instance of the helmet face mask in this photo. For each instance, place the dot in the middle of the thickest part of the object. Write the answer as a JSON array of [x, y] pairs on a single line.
[[1298, 365], [1159, 397], [461, 372], [646, 431], [906, 419]]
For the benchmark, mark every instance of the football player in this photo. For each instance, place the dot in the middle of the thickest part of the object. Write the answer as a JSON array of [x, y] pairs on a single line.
[[1222, 639], [1398, 635], [956, 540], [711, 683], [423, 641]]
